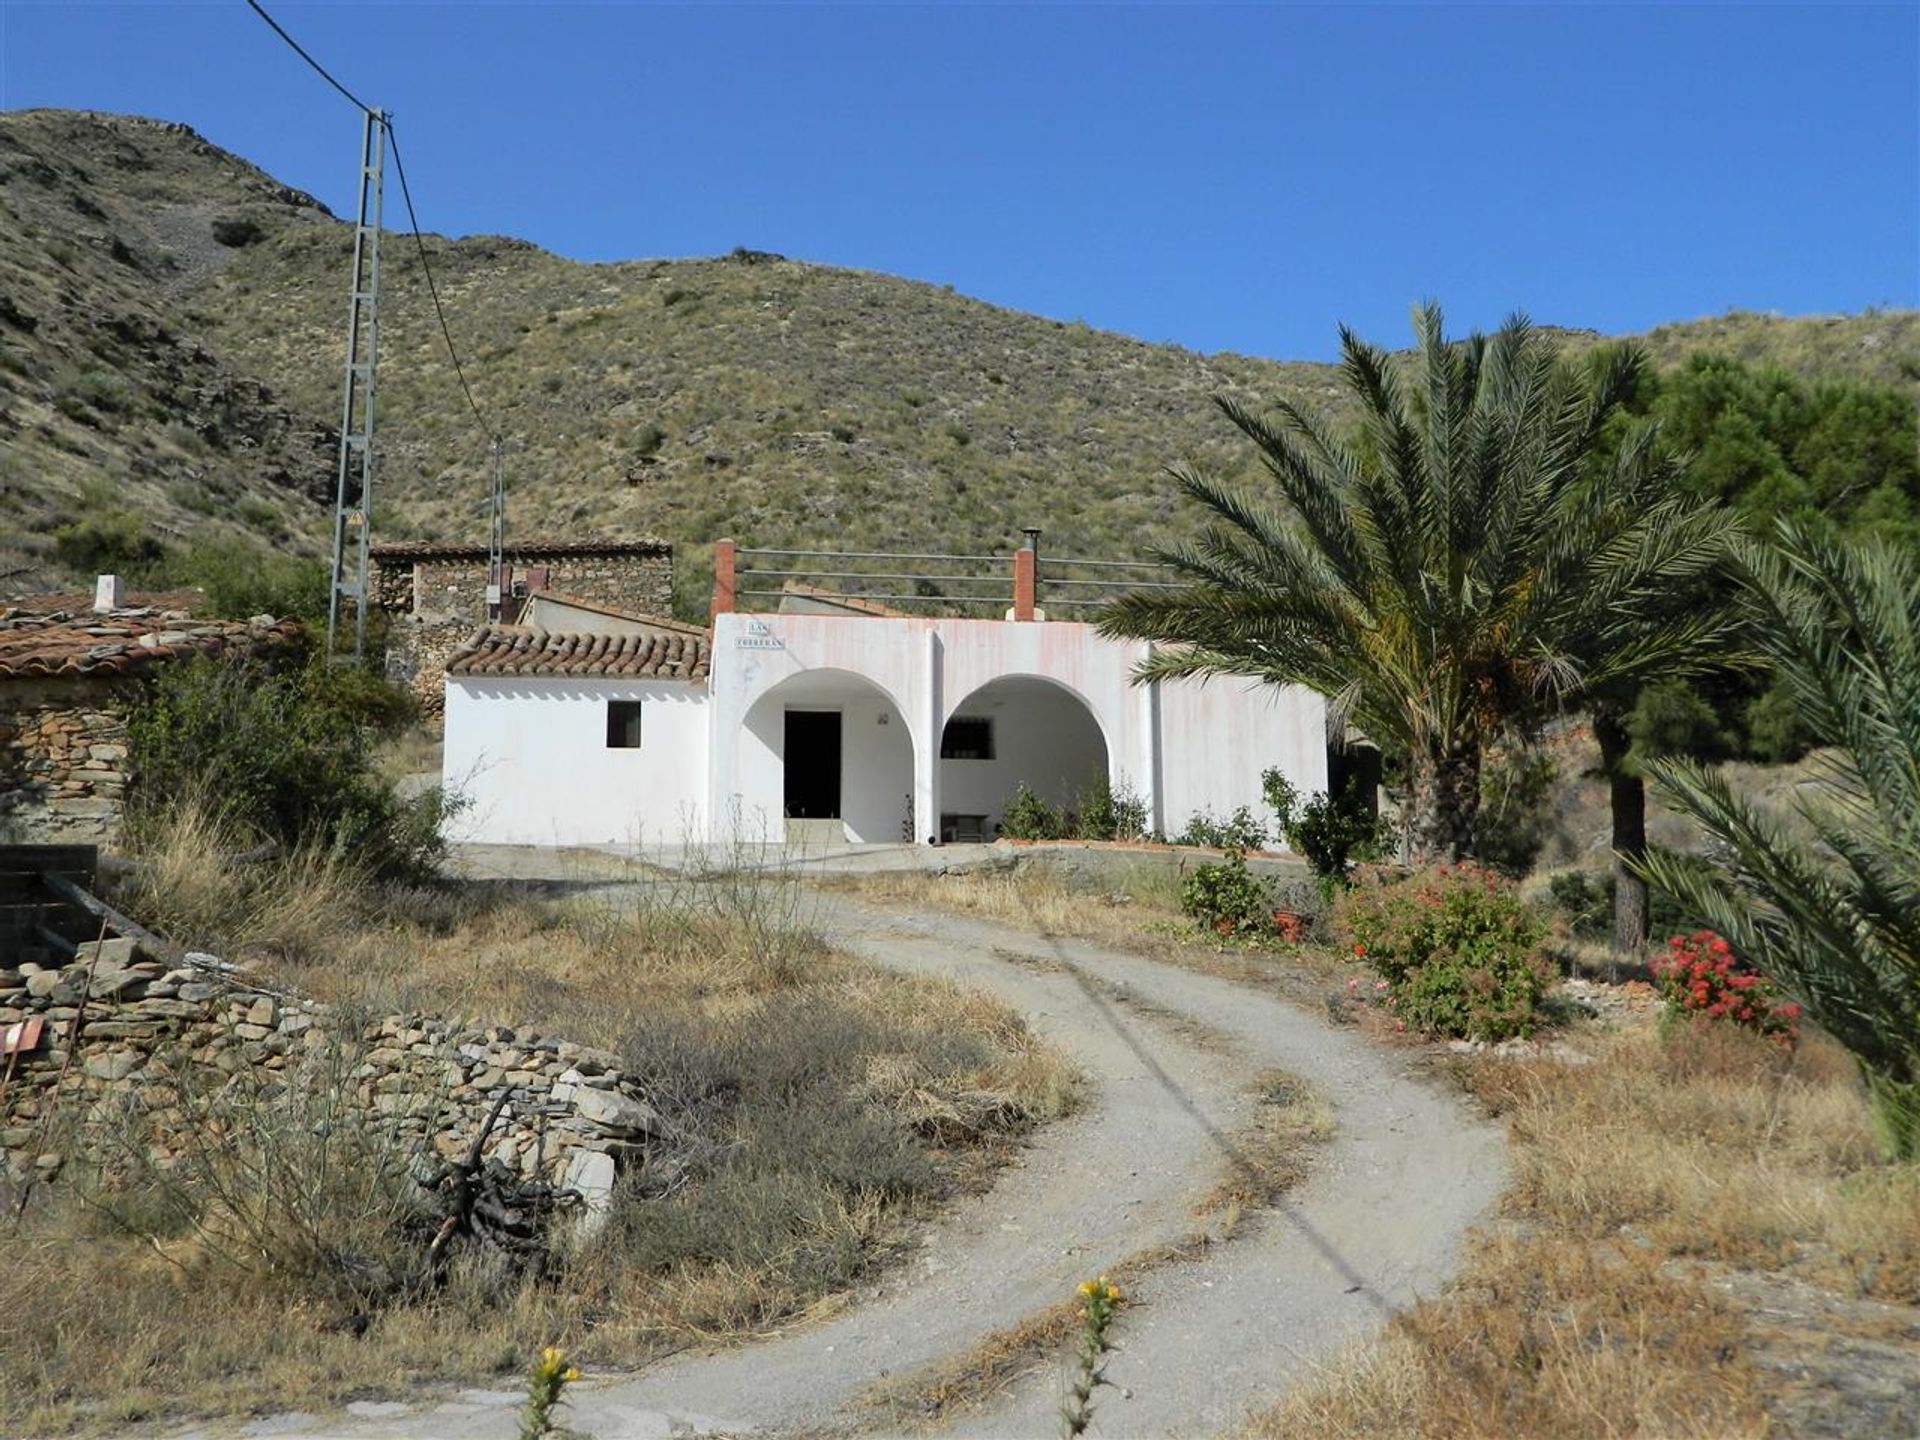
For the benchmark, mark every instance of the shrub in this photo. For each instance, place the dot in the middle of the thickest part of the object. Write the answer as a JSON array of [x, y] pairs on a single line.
[[1701, 977], [106, 539], [1227, 898], [286, 753], [293, 1187], [1028, 817], [1516, 810], [1585, 901], [1330, 832], [1109, 814], [1457, 947], [1239, 831], [237, 231], [242, 579]]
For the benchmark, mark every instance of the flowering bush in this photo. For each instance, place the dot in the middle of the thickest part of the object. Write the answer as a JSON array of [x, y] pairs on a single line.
[[1700, 976], [1459, 950]]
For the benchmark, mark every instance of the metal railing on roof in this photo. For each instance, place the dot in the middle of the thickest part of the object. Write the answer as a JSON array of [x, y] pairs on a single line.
[[1019, 583]]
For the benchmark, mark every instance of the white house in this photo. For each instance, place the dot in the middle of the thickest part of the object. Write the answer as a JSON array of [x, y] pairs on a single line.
[[845, 727]]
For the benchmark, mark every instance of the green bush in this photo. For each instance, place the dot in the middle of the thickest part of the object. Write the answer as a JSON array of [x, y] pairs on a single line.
[[1109, 814], [1516, 810], [1585, 902], [237, 232], [1227, 898], [107, 541], [1028, 817], [242, 579], [1239, 831], [1457, 946], [286, 753], [1329, 832]]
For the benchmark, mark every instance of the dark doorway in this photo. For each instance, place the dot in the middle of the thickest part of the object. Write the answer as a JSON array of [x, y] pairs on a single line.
[[813, 765]]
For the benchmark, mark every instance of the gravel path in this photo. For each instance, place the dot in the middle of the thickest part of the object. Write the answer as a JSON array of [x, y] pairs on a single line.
[[1379, 1222]]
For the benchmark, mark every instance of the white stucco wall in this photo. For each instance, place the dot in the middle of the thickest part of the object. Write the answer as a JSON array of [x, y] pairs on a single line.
[[531, 754], [1220, 735], [1183, 747]]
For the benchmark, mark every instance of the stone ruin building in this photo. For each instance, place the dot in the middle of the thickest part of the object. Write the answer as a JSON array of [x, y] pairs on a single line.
[[69, 673], [434, 595]]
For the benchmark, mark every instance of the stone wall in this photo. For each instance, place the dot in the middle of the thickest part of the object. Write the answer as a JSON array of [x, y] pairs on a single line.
[[435, 603], [63, 759], [433, 587], [573, 1118], [417, 653]]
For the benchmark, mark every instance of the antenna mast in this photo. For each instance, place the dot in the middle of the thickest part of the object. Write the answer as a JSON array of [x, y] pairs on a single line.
[[353, 480]]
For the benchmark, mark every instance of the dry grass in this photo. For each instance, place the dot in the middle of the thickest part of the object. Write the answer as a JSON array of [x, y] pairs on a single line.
[[1142, 919], [1637, 1180], [1541, 1338], [415, 751], [819, 1108], [1269, 1156], [191, 889]]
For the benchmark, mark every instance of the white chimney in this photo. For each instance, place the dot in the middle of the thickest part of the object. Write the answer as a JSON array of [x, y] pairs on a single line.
[[106, 594]]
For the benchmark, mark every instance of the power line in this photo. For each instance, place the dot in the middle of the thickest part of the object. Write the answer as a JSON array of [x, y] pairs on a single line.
[[420, 244], [353, 513], [300, 50], [406, 194]]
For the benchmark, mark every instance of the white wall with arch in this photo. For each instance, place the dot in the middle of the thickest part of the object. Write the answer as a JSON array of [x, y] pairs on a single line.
[[1039, 733], [1182, 746], [876, 757]]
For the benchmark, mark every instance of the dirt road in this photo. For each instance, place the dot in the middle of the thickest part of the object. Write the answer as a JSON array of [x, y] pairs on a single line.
[[1379, 1222]]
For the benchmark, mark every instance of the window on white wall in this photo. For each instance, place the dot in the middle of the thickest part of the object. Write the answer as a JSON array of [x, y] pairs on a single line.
[[967, 738], [623, 724]]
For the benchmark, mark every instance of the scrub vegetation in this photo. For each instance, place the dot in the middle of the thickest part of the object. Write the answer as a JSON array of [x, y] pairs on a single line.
[[816, 1108], [1698, 1240]]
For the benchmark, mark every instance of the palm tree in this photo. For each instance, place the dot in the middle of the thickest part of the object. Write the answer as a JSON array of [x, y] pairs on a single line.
[[1462, 567], [1835, 919]]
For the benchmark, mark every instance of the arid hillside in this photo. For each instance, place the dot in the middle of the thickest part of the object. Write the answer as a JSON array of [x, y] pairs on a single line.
[[170, 341]]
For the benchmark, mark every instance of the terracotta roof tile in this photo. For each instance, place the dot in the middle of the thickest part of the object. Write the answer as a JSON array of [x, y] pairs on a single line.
[[523, 650], [188, 600], [123, 642]]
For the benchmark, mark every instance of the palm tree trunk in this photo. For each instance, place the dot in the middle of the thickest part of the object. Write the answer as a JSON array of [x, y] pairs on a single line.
[[1443, 803], [1627, 797]]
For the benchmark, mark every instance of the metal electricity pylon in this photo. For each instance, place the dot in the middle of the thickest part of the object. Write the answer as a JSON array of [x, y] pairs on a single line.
[[496, 526], [353, 480]]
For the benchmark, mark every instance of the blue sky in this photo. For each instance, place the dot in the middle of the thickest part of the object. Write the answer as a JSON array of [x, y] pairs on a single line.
[[1238, 178]]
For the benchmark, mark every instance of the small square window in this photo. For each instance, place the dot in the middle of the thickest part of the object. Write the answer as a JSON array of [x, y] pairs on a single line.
[[623, 724], [967, 738]]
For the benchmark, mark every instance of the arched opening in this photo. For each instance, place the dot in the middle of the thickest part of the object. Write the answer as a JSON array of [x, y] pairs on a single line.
[[1017, 730], [830, 754]]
